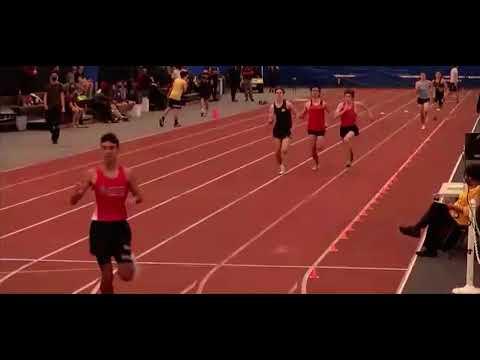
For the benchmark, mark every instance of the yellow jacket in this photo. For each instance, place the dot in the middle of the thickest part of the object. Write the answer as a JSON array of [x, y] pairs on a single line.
[[463, 218]]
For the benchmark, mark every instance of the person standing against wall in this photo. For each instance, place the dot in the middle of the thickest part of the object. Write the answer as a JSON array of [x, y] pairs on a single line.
[[54, 101], [454, 82], [235, 80], [214, 72], [247, 76]]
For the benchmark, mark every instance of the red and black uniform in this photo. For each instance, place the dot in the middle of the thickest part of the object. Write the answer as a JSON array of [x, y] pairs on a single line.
[[316, 119], [348, 121], [110, 234]]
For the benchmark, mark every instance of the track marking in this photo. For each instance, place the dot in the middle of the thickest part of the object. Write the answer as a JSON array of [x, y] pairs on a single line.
[[58, 250], [293, 288], [152, 161], [52, 271], [204, 264], [374, 199], [159, 158], [420, 244], [176, 172], [307, 199], [142, 148], [189, 288], [238, 199]]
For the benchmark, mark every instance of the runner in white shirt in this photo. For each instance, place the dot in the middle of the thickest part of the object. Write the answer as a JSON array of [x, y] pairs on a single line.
[[454, 82]]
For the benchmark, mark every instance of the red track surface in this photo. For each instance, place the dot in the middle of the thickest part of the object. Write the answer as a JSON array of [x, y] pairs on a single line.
[[217, 218]]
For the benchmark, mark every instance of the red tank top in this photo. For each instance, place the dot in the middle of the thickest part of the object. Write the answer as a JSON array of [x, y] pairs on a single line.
[[349, 117], [110, 195], [316, 116]]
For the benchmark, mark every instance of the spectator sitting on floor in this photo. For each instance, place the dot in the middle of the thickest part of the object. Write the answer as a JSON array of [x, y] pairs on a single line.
[[445, 221], [120, 102], [106, 94], [101, 103], [73, 107]]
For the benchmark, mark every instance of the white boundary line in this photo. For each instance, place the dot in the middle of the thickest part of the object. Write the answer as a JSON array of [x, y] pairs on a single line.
[[155, 160], [58, 250], [293, 288], [161, 157], [203, 264], [140, 149], [172, 173], [151, 136], [189, 288], [234, 201], [420, 245], [52, 271], [374, 199], [161, 177], [304, 201]]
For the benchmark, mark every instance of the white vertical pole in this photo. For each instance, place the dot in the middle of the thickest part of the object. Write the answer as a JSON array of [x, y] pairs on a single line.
[[469, 287]]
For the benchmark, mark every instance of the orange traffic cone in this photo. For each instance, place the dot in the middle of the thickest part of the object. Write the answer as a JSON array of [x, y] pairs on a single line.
[[313, 274], [333, 248], [215, 114]]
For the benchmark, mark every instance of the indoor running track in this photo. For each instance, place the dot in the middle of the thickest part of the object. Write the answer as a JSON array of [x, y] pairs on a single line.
[[218, 219]]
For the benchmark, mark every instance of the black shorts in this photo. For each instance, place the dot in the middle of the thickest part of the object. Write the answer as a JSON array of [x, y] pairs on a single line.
[[111, 239], [205, 92], [316, 132], [439, 96], [281, 133], [175, 104], [344, 130], [421, 101]]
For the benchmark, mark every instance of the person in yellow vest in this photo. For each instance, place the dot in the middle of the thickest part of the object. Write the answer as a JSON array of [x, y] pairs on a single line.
[[179, 87], [445, 221]]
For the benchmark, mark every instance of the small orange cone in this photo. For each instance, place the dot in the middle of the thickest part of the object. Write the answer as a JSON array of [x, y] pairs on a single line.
[[313, 274], [215, 114]]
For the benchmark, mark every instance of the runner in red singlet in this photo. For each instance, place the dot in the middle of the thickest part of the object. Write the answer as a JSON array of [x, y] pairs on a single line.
[[347, 112], [110, 234], [316, 128]]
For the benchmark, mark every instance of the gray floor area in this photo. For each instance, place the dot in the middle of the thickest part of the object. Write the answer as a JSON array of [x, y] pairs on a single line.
[[442, 274], [20, 148]]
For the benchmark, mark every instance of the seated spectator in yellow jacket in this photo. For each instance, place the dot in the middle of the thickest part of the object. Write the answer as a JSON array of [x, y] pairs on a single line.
[[445, 221]]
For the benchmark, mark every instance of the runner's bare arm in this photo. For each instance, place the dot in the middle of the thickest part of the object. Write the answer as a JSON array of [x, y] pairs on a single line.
[[304, 111], [270, 114], [361, 105], [339, 112], [82, 186], [327, 109], [133, 187], [292, 109]]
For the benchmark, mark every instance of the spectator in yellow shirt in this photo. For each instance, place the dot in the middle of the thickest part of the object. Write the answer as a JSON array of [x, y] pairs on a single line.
[[179, 87], [445, 221]]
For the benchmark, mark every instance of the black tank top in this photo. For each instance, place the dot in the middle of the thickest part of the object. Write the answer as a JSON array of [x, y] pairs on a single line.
[[283, 116], [439, 86]]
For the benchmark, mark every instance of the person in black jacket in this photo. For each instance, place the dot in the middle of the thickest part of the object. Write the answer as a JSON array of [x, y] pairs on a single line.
[[235, 79], [214, 72]]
